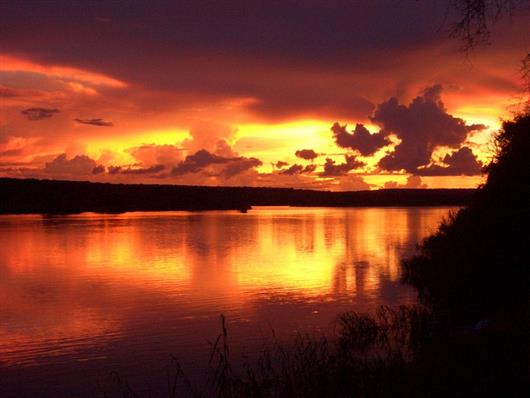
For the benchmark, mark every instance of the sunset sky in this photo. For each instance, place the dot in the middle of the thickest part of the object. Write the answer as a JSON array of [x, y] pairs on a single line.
[[341, 95]]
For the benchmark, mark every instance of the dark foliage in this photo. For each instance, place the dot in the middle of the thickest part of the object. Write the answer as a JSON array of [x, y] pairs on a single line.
[[366, 356], [396, 352], [477, 265]]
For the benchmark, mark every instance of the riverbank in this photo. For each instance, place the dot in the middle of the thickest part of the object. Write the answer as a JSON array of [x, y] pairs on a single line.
[[21, 196]]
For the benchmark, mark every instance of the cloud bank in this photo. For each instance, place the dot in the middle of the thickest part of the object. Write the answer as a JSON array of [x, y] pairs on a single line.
[[360, 139], [332, 169], [95, 122], [307, 154], [421, 127], [39, 113]]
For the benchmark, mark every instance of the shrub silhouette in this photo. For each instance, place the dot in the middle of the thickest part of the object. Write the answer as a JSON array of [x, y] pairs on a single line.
[[476, 265]]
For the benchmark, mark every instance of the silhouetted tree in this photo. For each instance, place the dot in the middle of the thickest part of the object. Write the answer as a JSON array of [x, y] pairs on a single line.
[[476, 18]]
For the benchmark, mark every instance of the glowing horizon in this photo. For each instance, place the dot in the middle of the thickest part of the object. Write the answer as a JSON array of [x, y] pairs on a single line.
[[112, 114]]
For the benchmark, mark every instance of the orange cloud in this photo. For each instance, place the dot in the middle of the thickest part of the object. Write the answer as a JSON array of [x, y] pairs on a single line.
[[13, 64]]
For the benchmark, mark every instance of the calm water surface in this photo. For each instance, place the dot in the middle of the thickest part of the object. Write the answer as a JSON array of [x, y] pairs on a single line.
[[85, 295]]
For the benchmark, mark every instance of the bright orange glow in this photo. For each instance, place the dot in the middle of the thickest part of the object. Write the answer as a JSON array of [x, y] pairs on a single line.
[[119, 148], [273, 142], [201, 124], [87, 284]]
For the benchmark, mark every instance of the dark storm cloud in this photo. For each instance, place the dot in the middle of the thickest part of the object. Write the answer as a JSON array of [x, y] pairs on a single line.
[[228, 49], [39, 113], [294, 169], [274, 102], [239, 165], [203, 159], [309, 30], [143, 171], [298, 169], [309, 168], [198, 161], [332, 169], [95, 122], [461, 162], [114, 170], [98, 169], [79, 165], [307, 154], [421, 126], [360, 139]]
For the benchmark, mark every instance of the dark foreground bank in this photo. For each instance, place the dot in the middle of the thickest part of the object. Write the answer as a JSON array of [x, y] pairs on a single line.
[[49, 196]]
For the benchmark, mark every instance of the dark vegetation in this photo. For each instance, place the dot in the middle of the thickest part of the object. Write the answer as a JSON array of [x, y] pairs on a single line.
[[61, 197], [477, 264], [476, 271], [469, 336]]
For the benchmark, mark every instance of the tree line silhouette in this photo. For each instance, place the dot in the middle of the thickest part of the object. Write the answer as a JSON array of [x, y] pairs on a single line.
[[63, 197]]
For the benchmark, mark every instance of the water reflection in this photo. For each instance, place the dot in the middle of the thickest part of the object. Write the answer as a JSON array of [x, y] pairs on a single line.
[[88, 292]]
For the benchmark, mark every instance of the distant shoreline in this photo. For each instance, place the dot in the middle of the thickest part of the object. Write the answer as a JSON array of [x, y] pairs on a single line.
[[30, 196]]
